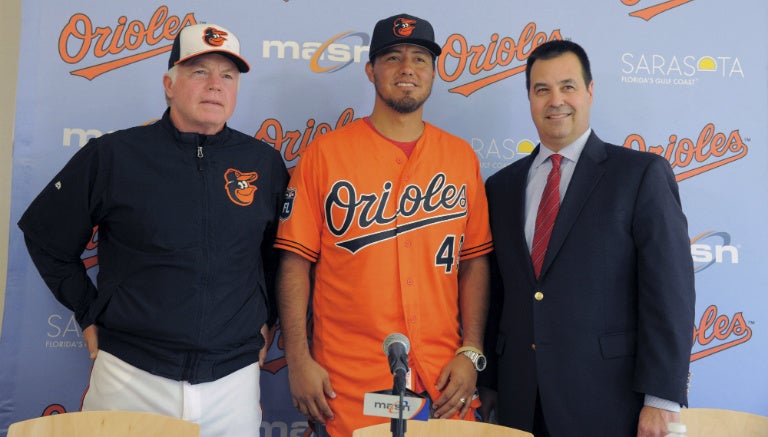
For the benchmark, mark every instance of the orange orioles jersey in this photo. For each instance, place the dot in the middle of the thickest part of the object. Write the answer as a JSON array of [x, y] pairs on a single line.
[[386, 232]]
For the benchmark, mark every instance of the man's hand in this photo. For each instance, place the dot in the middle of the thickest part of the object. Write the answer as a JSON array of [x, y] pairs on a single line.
[[310, 385], [653, 421], [457, 384], [91, 337], [488, 397]]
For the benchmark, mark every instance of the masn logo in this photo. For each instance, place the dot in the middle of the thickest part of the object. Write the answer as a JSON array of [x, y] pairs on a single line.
[[391, 407], [324, 57], [710, 248], [78, 136], [284, 429]]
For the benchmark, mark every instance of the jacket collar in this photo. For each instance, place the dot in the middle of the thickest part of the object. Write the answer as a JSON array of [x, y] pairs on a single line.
[[191, 138]]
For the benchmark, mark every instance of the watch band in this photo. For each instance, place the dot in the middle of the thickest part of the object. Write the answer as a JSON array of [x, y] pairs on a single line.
[[468, 348], [474, 355]]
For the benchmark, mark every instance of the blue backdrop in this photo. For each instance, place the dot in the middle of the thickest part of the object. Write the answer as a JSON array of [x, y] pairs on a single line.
[[682, 78]]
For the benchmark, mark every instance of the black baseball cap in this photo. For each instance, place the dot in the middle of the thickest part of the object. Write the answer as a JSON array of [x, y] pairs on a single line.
[[199, 39], [403, 29]]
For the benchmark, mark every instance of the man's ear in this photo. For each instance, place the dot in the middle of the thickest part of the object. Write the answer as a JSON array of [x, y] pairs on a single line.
[[369, 71], [167, 85]]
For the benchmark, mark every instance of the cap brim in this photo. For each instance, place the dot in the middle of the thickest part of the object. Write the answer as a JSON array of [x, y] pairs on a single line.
[[241, 63]]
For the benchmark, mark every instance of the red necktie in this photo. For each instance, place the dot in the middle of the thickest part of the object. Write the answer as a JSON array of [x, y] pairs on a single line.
[[545, 217]]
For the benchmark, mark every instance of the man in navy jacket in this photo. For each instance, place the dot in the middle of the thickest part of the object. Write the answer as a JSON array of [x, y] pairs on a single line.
[[186, 210], [598, 342]]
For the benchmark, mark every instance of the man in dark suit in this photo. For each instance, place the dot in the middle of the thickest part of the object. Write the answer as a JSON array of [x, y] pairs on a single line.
[[593, 331]]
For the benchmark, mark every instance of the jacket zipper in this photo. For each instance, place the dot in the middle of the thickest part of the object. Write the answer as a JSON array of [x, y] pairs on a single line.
[[203, 167]]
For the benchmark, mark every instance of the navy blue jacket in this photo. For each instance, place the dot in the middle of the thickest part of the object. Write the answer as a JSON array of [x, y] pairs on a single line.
[[610, 317], [185, 228]]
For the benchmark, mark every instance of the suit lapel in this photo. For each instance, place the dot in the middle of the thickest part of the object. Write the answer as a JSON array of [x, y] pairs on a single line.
[[510, 208], [517, 205], [587, 173]]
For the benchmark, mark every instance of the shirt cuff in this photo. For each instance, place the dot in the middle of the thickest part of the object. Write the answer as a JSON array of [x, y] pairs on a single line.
[[653, 401]]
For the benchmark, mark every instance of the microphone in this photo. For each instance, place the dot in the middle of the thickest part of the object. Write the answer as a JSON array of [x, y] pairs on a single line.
[[396, 347]]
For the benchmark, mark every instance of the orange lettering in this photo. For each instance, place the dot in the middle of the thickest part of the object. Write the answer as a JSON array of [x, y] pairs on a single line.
[[719, 327], [78, 38], [292, 143], [652, 11], [478, 59], [70, 30], [709, 146]]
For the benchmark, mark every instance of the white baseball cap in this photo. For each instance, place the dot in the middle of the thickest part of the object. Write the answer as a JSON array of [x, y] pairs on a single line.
[[202, 38]]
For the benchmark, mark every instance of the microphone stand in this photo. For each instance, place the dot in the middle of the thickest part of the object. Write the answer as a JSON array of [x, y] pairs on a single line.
[[397, 426], [396, 346]]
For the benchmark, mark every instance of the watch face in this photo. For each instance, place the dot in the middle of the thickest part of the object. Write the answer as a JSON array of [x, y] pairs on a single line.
[[477, 359], [481, 363]]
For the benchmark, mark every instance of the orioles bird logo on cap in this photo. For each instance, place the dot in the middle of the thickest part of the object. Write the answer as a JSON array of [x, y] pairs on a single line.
[[214, 37], [404, 27], [238, 186]]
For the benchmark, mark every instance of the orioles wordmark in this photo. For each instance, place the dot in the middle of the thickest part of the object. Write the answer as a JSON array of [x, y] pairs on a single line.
[[440, 200]]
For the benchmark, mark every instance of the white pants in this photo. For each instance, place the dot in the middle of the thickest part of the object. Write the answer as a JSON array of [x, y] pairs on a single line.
[[227, 407]]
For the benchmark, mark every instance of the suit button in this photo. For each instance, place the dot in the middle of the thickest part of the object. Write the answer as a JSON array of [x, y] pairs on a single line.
[[538, 295], [533, 346]]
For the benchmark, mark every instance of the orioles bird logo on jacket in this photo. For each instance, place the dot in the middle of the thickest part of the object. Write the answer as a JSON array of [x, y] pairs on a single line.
[[239, 186]]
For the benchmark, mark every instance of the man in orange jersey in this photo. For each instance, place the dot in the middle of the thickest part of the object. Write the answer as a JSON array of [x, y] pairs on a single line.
[[387, 219]]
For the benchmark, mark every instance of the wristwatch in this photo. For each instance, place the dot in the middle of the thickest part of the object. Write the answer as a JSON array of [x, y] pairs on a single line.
[[474, 355]]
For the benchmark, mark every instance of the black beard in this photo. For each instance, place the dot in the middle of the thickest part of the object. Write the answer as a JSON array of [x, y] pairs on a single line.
[[406, 105]]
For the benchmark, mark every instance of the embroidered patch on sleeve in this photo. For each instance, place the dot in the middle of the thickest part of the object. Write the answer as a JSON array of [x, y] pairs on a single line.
[[285, 212]]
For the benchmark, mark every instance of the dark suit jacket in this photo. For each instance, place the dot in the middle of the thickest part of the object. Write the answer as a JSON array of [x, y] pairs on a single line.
[[616, 318]]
